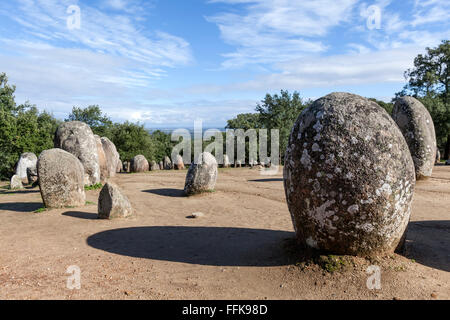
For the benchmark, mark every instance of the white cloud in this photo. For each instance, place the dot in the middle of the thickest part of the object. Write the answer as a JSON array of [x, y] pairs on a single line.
[[277, 30]]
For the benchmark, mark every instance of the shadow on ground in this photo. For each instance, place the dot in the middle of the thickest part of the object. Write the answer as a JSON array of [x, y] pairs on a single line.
[[21, 206], [266, 180], [428, 243], [213, 246], [81, 215], [174, 193]]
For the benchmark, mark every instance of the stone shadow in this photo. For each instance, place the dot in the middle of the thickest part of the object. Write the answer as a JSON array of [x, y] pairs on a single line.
[[214, 246], [167, 192], [81, 215], [21, 206], [428, 243]]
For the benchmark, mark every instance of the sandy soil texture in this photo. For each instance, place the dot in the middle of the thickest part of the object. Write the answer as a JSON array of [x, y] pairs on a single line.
[[239, 249]]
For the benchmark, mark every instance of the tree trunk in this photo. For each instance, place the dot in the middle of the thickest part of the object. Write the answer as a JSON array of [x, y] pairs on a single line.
[[447, 149]]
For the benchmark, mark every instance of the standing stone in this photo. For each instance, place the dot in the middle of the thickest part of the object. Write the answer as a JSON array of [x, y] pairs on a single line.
[[201, 176], [104, 174], [167, 163], [26, 160], [139, 164], [61, 179], [178, 163], [417, 127], [238, 164], [32, 175], [112, 203], [348, 177], [112, 156], [77, 138], [16, 183], [119, 166], [161, 165]]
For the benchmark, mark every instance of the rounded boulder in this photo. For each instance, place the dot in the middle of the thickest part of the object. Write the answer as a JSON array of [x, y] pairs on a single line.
[[77, 138], [348, 177], [202, 175], [61, 179], [417, 127]]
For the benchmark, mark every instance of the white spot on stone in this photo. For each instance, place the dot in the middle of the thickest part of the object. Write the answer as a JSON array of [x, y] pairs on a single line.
[[353, 209]]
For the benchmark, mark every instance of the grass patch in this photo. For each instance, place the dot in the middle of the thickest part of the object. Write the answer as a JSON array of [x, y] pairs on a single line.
[[93, 187], [90, 203], [41, 210]]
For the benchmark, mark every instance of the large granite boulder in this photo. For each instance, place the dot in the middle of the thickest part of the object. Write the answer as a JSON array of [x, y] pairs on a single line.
[[348, 177], [417, 127], [77, 138], [112, 203], [202, 175], [139, 164], [61, 179], [26, 160], [104, 173], [112, 156]]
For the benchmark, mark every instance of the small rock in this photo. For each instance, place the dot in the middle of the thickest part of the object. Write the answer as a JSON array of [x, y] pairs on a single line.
[[112, 203], [196, 215], [434, 295]]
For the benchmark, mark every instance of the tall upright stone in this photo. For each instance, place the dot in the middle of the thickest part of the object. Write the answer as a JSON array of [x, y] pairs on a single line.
[[26, 160], [112, 156], [202, 175], [417, 127], [61, 179], [77, 138], [349, 177]]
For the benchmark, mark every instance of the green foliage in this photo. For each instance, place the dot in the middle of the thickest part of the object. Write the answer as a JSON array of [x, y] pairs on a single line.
[[93, 187], [245, 121], [22, 129], [92, 115]]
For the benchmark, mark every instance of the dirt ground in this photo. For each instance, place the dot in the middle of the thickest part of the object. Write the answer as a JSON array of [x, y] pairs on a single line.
[[239, 249]]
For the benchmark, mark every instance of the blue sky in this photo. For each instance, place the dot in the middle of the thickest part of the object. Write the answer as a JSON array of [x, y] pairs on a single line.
[[167, 63]]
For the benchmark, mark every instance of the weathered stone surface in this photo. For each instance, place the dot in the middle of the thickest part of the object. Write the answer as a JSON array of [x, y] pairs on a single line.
[[112, 156], [16, 183], [201, 176], [112, 203], [161, 165], [178, 163], [417, 127], [61, 179], [167, 163], [238, 164], [26, 160], [154, 166], [119, 166], [104, 174], [438, 156], [77, 138], [139, 164], [32, 175], [348, 177]]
